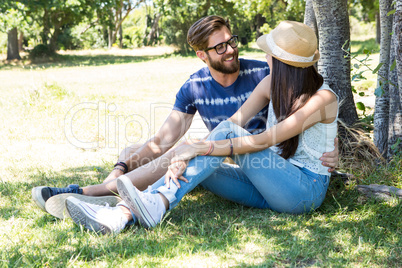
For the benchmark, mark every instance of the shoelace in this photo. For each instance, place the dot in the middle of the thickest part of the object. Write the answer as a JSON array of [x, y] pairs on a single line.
[[105, 206]]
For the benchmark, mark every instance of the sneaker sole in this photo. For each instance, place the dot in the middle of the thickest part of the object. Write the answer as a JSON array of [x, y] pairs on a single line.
[[81, 217], [129, 195], [37, 197], [56, 205]]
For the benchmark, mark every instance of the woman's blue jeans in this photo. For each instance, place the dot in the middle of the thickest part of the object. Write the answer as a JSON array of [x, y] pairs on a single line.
[[262, 179]]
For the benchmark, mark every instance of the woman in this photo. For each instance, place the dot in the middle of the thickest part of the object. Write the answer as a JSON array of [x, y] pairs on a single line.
[[282, 163]]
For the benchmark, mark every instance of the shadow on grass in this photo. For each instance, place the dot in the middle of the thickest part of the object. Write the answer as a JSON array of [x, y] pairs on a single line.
[[204, 225], [80, 60], [369, 44]]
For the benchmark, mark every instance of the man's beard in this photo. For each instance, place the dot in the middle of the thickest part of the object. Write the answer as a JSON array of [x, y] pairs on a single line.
[[220, 66]]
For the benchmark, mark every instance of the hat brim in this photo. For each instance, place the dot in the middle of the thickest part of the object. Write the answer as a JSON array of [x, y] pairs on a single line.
[[262, 44]]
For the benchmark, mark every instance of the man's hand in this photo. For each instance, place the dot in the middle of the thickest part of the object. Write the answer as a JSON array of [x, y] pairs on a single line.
[[331, 159], [178, 164]]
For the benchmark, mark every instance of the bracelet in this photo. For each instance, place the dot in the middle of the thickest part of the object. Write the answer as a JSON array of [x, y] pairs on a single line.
[[122, 170], [210, 150], [231, 144], [123, 165]]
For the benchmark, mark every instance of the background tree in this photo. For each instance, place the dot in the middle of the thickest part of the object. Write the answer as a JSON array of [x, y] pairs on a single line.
[[10, 21], [309, 16], [56, 15], [334, 64], [151, 33], [388, 112], [395, 92], [381, 114], [112, 13], [178, 15]]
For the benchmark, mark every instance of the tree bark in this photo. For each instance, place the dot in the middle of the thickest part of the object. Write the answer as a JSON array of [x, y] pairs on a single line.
[[21, 41], [382, 102], [151, 37], [45, 31], [309, 16], [109, 38], [395, 93], [54, 37], [120, 34], [334, 64], [12, 45], [398, 40], [377, 28]]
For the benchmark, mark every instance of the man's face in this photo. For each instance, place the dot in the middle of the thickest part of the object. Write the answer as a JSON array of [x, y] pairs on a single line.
[[228, 62]]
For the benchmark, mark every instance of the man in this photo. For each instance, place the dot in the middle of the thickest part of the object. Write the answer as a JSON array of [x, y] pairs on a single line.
[[216, 92]]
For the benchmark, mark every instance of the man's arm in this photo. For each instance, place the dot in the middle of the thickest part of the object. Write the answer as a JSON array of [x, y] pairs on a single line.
[[174, 127]]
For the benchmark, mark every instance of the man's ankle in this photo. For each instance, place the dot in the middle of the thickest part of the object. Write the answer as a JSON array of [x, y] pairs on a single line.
[[126, 212]]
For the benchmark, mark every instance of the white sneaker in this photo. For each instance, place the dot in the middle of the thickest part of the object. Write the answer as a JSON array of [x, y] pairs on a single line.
[[148, 208], [56, 205], [104, 219]]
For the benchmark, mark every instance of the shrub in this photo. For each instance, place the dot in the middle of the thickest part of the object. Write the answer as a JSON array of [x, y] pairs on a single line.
[[41, 51]]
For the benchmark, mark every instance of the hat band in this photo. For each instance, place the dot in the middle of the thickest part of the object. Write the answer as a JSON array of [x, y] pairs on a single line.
[[280, 53]]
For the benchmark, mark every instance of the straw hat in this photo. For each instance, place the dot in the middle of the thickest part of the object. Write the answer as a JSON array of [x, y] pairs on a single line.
[[291, 42]]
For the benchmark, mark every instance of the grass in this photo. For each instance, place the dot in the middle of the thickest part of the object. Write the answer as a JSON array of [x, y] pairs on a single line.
[[51, 111]]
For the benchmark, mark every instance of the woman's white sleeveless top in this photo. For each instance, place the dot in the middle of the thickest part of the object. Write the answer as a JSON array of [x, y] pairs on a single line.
[[313, 142]]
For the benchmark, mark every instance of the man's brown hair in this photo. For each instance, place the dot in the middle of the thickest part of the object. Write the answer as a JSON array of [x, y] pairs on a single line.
[[199, 32]]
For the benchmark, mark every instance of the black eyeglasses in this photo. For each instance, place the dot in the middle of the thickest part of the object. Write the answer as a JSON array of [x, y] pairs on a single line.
[[221, 47]]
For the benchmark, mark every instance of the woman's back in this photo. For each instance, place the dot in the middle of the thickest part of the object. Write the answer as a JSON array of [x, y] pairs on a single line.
[[313, 142]]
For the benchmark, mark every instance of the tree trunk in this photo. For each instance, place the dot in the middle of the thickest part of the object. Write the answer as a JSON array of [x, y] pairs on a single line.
[[53, 38], [121, 35], [378, 28], [151, 38], [309, 16], [12, 45], [398, 40], [334, 64], [395, 93], [45, 30], [382, 102], [21, 41], [109, 38]]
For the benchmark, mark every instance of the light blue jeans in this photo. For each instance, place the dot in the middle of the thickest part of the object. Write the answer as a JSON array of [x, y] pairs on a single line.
[[262, 179]]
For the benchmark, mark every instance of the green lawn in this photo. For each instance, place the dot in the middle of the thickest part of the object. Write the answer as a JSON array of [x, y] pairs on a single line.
[[50, 112]]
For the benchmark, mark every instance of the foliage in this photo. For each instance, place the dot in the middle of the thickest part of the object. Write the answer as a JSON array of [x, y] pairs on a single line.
[[54, 16], [180, 14], [133, 28], [41, 52], [246, 16], [364, 10], [13, 17], [82, 37], [76, 24], [361, 65]]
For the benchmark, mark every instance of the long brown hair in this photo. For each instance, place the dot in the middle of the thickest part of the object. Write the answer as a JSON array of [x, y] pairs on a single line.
[[291, 87]]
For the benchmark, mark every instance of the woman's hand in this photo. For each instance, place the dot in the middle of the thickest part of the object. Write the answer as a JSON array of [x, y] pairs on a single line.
[[331, 159], [175, 173], [185, 152]]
